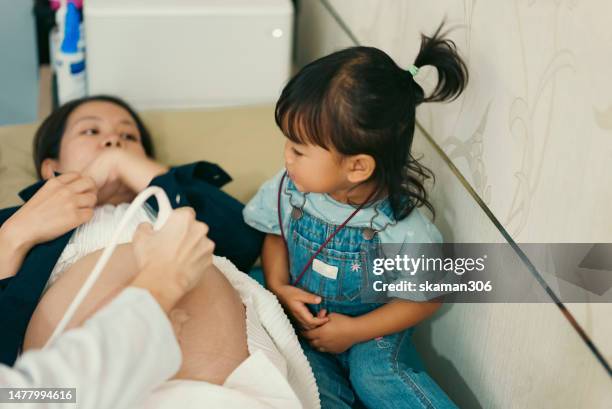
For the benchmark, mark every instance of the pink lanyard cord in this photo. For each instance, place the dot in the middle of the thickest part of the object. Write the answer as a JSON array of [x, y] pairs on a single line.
[[331, 236], [278, 207]]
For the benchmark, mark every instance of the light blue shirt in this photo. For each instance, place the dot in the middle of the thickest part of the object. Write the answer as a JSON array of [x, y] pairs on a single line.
[[262, 214], [403, 236]]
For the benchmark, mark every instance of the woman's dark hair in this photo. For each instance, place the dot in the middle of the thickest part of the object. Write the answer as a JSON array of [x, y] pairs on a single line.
[[358, 101], [48, 137]]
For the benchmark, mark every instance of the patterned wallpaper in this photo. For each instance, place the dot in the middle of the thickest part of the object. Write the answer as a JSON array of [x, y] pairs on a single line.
[[532, 135]]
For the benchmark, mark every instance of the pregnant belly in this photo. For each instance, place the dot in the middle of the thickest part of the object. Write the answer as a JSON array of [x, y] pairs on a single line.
[[209, 321]]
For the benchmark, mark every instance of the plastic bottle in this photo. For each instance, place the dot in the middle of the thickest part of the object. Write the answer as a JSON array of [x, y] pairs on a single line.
[[69, 57], [55, 4]]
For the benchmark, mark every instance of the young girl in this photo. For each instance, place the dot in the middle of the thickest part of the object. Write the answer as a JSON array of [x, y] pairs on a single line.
[[350, 185]]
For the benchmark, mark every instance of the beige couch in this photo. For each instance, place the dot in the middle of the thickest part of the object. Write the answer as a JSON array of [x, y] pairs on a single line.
[[244, 141]]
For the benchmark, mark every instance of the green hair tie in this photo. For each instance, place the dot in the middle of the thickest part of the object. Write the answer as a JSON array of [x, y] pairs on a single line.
[[413, 69]]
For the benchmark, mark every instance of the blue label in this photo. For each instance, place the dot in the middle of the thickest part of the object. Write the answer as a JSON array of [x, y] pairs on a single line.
[[77, 67]]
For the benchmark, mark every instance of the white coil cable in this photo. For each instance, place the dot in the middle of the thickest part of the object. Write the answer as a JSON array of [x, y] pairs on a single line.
[[162, 216]]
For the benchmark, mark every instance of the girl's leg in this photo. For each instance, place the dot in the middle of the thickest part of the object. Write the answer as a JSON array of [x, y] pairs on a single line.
[[332, 379], [388, 373]]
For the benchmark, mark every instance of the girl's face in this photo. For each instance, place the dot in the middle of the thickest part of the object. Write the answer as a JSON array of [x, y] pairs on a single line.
[[314, 169], [90, 129]]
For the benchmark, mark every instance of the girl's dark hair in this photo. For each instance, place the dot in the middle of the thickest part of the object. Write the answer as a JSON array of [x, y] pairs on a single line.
[[358, 101], [48, 137]]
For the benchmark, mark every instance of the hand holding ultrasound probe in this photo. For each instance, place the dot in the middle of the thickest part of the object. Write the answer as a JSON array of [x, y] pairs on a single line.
[[172, 256], [165, 212]]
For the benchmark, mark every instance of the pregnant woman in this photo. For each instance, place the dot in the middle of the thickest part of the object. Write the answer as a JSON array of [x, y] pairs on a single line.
[[93, 156]]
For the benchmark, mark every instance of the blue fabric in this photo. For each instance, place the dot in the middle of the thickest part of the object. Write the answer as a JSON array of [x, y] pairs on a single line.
[[196, 185], [257, 274], [261, 213], [347, 253], [406, 237], [383, 373]]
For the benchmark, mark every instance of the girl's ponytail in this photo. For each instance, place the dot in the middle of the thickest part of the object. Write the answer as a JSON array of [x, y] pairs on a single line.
[[359, 101], [442, 54]]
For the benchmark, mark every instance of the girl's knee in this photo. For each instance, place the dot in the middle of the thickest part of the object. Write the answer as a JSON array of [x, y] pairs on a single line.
[[399, 389], [425, 390], [371, 362], [387, 372]]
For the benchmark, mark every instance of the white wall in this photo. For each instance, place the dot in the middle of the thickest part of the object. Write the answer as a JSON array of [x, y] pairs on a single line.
[[532, 135], [18, 63]]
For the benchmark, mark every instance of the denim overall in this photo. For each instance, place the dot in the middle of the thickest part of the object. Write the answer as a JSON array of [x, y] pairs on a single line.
[[385, 372]]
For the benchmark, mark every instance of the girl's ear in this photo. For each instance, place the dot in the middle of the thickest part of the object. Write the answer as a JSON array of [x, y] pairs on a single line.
[[48, 167], [360, 168]]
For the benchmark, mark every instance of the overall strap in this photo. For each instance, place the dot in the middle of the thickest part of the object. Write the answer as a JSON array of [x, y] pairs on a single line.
[[331, 236], [278, 207]]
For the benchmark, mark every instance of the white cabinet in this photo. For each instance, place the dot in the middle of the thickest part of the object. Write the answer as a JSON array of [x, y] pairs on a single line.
[[189, 53]]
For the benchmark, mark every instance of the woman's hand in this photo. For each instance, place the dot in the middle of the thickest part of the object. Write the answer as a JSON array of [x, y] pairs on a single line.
[[120, 174], [104, 170], [172, 260], [294, 300], [62, 204], [334, 337]]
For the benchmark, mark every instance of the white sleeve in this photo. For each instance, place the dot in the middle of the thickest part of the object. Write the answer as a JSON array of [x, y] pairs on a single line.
[[114, 360]]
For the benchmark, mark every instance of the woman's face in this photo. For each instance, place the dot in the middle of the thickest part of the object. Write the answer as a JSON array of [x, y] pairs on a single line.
[[90, 129]]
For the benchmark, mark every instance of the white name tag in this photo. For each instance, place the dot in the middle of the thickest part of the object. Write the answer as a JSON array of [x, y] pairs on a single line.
[[325, 269]]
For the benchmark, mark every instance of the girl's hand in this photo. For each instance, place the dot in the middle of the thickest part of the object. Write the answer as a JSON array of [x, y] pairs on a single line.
[[62, 204], [172, 260], [334, 337], [294, 300]]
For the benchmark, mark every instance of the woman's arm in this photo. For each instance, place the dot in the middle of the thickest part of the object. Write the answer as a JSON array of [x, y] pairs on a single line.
[[137, 172], [13, 249], [60, 205], [132, 329], [195, 185], [115, 168]]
